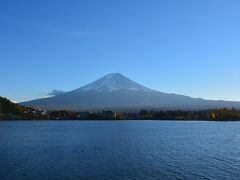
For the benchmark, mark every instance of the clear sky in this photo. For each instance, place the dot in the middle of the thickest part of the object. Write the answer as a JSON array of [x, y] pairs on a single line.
[[186, 47]]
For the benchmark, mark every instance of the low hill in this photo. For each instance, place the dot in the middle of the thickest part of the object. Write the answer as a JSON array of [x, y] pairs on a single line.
[[10, 110]]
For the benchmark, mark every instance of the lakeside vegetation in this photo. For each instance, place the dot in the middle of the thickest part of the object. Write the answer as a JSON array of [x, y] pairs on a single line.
[[12, 111]]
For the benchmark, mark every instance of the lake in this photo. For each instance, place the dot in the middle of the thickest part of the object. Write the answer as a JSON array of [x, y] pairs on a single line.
[[119, 150]]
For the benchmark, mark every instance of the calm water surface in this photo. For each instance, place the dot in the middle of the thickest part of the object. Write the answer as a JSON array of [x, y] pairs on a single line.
[[119, 150]]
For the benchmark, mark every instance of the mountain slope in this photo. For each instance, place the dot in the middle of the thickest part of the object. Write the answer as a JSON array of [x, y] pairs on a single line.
[[112, 82], [117, 92]]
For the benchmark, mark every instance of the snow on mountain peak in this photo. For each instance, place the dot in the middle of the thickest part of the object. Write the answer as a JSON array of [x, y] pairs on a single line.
[[112, 82]]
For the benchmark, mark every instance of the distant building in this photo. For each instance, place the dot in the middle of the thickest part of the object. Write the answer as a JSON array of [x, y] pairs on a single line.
[[43, 112]]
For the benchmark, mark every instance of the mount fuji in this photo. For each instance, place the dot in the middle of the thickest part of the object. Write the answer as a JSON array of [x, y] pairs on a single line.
[[116, 92]]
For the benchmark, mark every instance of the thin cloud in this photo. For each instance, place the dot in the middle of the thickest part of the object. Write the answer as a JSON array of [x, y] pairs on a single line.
[[13, 101], [56, 92], [30, 98]]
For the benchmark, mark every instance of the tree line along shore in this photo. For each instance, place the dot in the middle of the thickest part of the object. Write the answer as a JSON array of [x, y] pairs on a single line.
[[12, 111]]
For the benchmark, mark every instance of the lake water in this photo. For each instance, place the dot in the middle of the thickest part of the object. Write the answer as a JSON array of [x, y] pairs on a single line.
[[119, 150]]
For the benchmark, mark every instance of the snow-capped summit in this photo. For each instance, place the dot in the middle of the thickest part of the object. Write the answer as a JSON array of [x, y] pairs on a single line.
[[112, 82]]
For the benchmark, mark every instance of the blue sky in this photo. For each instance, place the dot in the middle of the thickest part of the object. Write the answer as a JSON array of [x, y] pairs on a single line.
[[186, 47]]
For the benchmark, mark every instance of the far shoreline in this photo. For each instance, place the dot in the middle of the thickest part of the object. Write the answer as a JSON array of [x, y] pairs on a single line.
[[114, 120]]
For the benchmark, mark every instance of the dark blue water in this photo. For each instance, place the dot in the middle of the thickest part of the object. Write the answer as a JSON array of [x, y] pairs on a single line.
[[119, 150]]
